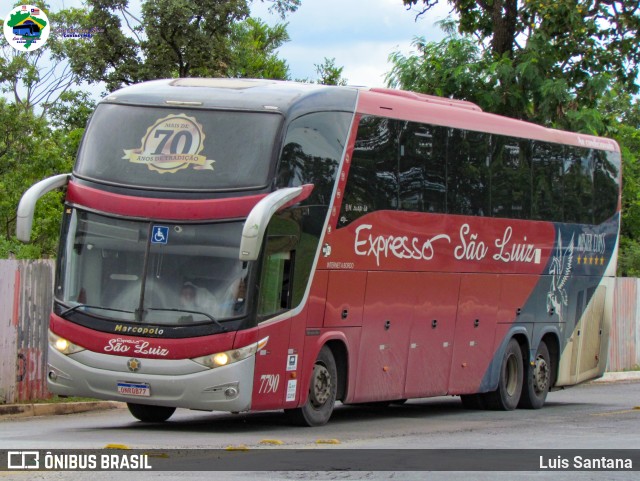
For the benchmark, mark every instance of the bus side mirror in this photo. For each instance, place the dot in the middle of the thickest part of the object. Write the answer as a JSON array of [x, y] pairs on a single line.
[[259, 217], [27, 205]]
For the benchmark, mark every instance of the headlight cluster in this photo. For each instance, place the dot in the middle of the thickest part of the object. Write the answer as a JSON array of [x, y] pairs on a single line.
[[62, 345], [225, 358]]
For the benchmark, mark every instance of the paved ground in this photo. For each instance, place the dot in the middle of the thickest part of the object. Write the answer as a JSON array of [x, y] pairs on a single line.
[[8, 411]]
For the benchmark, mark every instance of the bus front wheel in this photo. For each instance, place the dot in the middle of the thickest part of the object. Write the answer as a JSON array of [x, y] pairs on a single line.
[[507, 396], [322, 393], [150, 414], [537, 380]]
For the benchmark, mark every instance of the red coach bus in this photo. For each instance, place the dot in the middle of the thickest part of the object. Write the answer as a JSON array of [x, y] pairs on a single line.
[[245, 245]]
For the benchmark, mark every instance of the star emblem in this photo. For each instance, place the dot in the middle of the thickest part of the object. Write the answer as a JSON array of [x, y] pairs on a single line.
[[133, 365]]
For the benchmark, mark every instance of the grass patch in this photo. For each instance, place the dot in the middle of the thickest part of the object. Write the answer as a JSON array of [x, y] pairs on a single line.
[[58, 399], [634, 368]]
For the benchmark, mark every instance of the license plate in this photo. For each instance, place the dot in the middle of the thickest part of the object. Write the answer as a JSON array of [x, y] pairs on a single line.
[[134, 389]]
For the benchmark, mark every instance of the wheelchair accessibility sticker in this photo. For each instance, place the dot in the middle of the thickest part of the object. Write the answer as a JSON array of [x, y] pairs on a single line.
[[159, 234]]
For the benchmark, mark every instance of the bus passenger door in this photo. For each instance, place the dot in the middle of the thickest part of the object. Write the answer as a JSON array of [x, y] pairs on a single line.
[[474, 331], [387, 317], [431, 337]]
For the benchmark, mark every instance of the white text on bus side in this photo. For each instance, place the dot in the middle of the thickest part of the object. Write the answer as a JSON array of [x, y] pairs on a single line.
[[472, 249], [115, 345], [399, 247]]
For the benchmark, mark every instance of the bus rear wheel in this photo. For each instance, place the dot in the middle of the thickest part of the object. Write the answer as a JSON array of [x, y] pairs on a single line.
[[322, 393], [507, 396], [537, 380], [150, 414]]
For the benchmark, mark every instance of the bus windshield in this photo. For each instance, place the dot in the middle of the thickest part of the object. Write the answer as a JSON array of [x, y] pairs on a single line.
[[158, 273], [178, 149]]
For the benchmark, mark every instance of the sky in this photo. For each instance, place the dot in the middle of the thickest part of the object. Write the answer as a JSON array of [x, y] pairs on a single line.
[[359, 34]]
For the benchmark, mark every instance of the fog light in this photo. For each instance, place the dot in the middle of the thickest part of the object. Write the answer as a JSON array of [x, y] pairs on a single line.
[[231, 392], [52, 375]]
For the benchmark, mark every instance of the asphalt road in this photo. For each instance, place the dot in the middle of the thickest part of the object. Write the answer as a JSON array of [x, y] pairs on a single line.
[[593, 416]]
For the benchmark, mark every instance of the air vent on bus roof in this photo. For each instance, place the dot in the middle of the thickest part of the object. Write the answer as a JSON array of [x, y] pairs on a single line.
[[461, 104], [219, 83]]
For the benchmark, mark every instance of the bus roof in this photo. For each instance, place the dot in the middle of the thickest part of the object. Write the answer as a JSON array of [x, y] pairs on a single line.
[[295, 98], [468, 116], [289, 98]]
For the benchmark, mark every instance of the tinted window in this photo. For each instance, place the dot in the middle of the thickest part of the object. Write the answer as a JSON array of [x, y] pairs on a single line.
[[312, 151], [547, 188], [468, 167], [578, 185], [418, 167], [178, 148], [373, 175], [605, 185], [422, 170], [510, 177]]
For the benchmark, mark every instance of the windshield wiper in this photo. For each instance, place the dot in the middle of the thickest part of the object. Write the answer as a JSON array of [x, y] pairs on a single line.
[[87, 306], [217, 323]]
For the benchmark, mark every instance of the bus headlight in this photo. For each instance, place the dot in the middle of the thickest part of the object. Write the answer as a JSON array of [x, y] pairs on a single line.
[[62, 345], [229, 357]]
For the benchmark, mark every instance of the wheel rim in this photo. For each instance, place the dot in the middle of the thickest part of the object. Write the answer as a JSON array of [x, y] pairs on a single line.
[[321, 386], [540, 375], [511, 374]]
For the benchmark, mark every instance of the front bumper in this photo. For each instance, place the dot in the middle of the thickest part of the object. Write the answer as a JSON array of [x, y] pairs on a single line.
[[176, 383]]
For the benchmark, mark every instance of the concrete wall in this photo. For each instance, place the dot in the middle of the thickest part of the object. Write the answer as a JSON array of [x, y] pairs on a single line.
[[26, 293], [624, 337]]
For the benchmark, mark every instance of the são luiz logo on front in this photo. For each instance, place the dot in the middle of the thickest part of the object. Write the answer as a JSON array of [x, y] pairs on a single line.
[[172, 143], [26, 28]]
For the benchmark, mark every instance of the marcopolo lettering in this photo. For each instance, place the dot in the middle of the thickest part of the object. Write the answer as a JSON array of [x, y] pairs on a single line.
[[154, 331]]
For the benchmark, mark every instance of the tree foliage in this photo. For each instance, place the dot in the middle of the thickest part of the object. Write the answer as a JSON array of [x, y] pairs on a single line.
[[549, 61], [329, 73], [29, 151], [253, 46], [174, 38]]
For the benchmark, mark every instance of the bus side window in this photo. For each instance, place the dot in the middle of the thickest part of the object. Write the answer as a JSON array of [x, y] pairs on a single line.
[[275, 284], [605, 184], [548, 185], [421, 169], [277, 278]]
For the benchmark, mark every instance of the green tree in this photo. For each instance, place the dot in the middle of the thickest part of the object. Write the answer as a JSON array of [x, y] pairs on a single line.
[[28, 152], [170, 38], [253, 46], [623, 112], [43, 120], [550, 61], [329, 73]]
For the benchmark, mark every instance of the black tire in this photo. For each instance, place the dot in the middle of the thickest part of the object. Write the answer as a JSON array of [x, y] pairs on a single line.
[[507, 396], [150, 414], [537, 380], [323, 387]]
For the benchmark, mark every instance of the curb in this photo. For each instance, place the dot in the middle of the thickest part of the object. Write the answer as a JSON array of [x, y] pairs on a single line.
[[610, 377], [11, 411]]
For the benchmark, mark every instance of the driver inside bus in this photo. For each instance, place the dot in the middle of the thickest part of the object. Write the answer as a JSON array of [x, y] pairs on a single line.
[[188, 297]]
